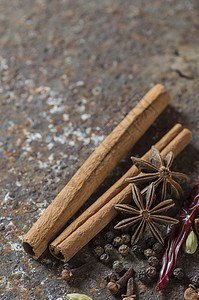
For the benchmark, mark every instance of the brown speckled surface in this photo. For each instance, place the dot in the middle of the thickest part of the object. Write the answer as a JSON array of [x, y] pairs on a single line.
[[70, 71]]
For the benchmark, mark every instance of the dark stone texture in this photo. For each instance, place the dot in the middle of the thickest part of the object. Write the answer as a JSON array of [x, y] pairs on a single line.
[[70, 71]]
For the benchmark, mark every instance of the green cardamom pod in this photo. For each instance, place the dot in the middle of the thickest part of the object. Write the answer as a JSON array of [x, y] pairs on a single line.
[[190, 245], [77, 296]]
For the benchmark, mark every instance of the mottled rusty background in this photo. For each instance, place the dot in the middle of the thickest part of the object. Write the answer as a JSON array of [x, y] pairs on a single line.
[[70, 71]]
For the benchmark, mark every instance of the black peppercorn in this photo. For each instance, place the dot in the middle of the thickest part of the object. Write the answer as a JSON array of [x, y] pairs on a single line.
[[137, 250], [158, 248], [112, 276], [109, 236], [109, 249], [117, 241], [178, 273], [123, 250], [97, 241], [126, 238], [151, 271], [104, 258], [148, 253], [195, 280], [118, 266], [98, 251], [142, 276], [153, 261]]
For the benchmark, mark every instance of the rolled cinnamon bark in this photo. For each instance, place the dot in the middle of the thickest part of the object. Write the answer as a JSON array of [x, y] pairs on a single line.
[[111, 192], [92, 226], [94, 171]]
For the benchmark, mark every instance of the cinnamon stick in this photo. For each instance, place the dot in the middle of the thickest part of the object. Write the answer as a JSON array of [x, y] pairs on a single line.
[[94, 171], [111, 192], [92, 226]]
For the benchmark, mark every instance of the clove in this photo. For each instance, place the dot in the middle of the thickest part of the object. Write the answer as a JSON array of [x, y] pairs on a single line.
[[112, 276], [192, 293], [130, 290], [115, 286], [68, 273]]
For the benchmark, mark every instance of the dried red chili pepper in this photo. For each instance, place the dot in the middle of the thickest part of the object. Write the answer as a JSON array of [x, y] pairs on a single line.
[[176, 235]]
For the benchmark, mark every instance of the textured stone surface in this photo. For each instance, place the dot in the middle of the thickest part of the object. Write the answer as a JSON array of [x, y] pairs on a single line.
[[70, 71]]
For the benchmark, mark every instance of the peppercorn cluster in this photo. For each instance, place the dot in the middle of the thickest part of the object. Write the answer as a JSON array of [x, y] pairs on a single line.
[[115, 251]]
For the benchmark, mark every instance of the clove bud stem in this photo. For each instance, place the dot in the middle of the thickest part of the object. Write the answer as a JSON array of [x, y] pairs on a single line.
[[114, 287], [68, 273], [130, 290]]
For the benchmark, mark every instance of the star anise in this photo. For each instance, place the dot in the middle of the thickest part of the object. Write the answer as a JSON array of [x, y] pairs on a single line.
[[145, 214], [157, 170]]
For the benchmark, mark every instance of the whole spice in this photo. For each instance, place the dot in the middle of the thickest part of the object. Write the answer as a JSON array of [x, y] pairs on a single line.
[[109, 236], [149, 252], [104, 258], [112, 276], [130, 290], [98, 251], [176, 236], [153, 261], [109, 249], [151, 271], [158, 172], [138, 251], [195, 280], [178, 273], [68, 273], [68, 243], [192, 293], [123, 250], [144, 277], [97, 241], [190, 244], [126, 238], [118, 266], [117, 241], [145, 215], [114, 287], [93, 172]]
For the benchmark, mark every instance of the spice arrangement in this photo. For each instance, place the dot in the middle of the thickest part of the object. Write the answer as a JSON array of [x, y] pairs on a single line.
[[65, 246], [153, 255], [145, 214], [94, 171], [145, 193]]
